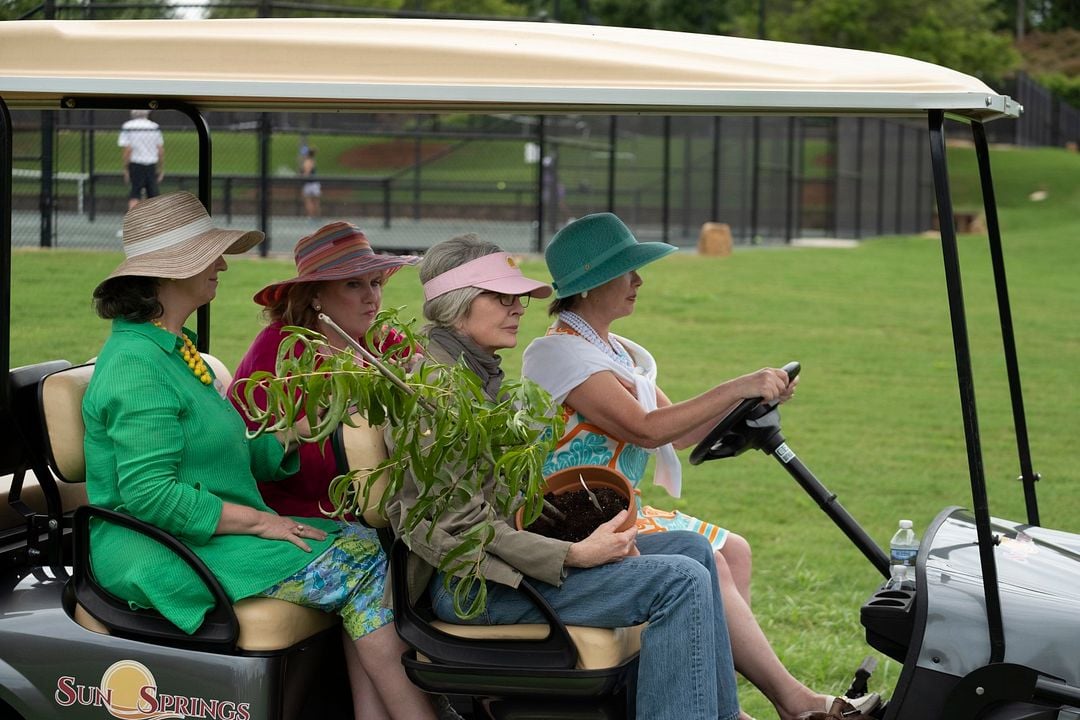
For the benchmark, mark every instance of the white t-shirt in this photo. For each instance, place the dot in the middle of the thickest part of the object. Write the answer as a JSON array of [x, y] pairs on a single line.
[[144, 138]]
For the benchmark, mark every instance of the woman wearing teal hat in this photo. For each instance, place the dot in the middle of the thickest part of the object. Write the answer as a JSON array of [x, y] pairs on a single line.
[[616, 415]]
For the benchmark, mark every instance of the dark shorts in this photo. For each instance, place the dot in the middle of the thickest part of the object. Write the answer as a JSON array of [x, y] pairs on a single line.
[[143, 177]]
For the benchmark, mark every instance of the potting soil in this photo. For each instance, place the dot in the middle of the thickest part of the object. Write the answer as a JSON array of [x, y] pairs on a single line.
[[582, 517]]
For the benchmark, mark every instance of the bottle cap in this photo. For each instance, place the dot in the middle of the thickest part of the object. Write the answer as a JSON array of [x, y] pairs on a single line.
[[906, 524]]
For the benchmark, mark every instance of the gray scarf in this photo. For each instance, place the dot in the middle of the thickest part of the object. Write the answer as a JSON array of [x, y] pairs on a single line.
[[486, 365]]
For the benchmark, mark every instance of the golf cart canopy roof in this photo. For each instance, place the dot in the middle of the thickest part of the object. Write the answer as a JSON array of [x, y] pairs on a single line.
[[473, 66]]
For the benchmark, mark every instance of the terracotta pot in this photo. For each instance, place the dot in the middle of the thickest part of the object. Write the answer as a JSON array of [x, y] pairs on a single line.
[[596, 477]]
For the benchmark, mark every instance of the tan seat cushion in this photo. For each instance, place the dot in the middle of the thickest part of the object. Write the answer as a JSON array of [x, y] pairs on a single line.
[[221, 372], [598, 648], [270, 624], [365, 448], [71, 496], [61, 404], [266, 624], [88, 621]]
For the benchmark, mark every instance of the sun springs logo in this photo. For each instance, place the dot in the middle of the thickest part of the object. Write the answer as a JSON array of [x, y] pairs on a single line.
[[128, 691]]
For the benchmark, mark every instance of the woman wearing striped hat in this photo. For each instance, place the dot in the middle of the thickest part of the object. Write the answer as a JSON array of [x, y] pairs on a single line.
[[339, 275]]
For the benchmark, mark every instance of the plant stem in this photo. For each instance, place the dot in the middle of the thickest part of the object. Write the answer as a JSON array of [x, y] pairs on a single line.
[[370, 358]]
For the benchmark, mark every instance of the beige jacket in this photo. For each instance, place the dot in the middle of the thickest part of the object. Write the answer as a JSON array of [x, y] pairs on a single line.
[[510, 555]]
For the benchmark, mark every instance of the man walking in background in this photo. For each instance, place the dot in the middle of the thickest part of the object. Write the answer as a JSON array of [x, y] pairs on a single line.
[[143, 155]]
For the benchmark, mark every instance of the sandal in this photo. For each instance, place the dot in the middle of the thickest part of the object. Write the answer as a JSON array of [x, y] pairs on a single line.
[[842, 708]]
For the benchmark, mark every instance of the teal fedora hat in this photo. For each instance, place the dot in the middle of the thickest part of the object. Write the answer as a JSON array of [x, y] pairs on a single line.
[[594, 249]]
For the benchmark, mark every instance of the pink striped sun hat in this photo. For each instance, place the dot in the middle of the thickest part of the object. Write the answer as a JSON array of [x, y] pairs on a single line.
[[336, 251]]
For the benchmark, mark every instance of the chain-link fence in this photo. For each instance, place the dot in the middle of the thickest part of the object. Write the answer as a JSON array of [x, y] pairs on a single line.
[[413, 180], [416, 179]]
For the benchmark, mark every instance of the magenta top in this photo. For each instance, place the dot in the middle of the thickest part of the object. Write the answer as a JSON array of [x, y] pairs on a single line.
[[301, 494]]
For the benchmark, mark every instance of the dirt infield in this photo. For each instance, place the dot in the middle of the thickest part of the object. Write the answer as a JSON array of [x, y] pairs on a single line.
[[391, 154]]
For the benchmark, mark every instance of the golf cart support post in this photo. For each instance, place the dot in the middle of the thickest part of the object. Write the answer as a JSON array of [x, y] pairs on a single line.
[[479, 66]]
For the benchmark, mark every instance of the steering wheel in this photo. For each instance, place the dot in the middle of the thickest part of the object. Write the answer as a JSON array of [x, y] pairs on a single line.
[[734, 419]]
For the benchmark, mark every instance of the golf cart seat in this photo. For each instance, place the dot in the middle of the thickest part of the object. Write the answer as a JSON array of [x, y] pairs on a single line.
[[33, 527], [252, 625], [20, 456], [514, 666]]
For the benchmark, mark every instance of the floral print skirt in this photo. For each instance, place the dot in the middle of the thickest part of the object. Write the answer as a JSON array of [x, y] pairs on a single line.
[[347, 579]]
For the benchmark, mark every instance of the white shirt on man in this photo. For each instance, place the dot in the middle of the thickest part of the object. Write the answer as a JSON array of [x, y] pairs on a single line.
[[144, 138]]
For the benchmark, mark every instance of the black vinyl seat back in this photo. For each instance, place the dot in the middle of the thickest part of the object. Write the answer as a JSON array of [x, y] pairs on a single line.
[[18, 422], [31, 506]]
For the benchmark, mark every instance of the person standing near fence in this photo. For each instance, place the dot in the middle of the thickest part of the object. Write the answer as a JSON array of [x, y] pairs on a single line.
[[143, 148], [312, 188]]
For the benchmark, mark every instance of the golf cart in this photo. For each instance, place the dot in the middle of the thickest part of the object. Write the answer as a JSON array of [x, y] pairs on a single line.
[[67, 648]]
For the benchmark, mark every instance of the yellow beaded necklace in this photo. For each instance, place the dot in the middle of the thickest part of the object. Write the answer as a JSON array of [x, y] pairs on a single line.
[[191, 357]]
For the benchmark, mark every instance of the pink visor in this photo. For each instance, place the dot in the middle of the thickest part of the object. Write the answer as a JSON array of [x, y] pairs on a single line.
[[497, 272]]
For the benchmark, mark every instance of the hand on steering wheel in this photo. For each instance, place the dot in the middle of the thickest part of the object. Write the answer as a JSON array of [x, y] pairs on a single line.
[[737, 416]]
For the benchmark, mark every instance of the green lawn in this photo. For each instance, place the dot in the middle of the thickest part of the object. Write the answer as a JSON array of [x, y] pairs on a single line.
[[876, 416]]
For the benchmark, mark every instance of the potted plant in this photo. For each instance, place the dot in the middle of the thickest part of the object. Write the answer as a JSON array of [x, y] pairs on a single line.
[[444, 429], [578, 500]]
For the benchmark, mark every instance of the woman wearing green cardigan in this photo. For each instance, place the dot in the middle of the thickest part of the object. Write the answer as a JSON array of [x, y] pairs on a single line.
[[163, 445]]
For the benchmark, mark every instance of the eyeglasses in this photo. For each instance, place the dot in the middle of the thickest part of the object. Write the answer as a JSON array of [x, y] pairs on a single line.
[[508, 300]]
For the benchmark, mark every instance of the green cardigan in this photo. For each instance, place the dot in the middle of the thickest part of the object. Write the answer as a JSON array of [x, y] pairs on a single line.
[[169, 450]]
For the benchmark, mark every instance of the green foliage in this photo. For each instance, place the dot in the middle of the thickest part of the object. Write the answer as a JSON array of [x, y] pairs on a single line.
[[376, 8], [445, 433], [959, 34], [1052, 15], [1067, 88], [1045, 15], [16, 9], [680, 15]]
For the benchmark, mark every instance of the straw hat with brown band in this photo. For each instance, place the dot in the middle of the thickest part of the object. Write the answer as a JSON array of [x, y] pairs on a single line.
[[172, 236]]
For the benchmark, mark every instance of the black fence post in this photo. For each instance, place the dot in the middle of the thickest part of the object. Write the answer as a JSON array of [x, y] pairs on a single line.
[[418, 160], [540, 177], [613, 143], [860, 136], [789, 219], [227, 197], [91, 168], [755, 162], [687, 178], [6, 162], [1055, 121], [665, 182], [881, 179], [833, 213], [265, 188], [714, 204], [899, 221], [387, 188], [46, 198]]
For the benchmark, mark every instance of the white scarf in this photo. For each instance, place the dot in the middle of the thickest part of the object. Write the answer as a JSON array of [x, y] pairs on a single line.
[[561, 361]]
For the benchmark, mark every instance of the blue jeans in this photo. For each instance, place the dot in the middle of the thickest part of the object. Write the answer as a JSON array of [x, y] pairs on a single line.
[[685, 670]]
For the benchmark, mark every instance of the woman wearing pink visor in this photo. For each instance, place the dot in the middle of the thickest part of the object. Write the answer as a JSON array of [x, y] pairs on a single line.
[[474, 297]]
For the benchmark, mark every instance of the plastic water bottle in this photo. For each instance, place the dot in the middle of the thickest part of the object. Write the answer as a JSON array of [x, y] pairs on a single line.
[[903, 548]]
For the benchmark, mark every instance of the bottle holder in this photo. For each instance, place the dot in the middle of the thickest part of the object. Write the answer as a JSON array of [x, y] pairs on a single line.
[[889, 618]]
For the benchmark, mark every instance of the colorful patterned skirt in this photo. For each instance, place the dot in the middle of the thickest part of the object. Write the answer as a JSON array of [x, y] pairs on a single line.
[[347, 579]]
